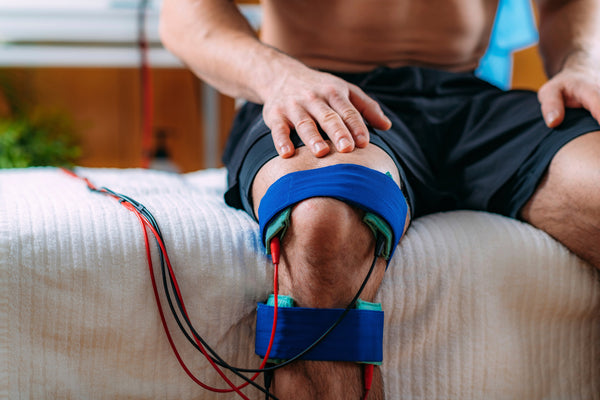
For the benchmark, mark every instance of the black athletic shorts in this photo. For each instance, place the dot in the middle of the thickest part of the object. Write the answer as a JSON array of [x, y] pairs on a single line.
[[458, 141]]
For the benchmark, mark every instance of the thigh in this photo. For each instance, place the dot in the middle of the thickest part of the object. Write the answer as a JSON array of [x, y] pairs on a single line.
[[566, 204], [529, 171]]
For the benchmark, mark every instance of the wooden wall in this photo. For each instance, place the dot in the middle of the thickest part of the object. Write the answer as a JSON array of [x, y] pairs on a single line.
[[106, 107], [105, 104], [528, 71]]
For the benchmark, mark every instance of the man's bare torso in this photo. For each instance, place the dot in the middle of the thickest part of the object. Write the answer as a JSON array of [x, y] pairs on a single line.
[[358, 35]]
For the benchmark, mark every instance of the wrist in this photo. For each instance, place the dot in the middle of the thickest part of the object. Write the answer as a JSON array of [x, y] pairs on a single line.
[[575, 59], [276, 68]]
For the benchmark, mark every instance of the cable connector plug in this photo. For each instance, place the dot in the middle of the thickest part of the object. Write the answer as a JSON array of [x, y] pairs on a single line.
[[380, 245], [268, 379], [275, 249], [368, 376]]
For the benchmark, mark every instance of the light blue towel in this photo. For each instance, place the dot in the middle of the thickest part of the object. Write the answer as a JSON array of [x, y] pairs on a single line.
[[514, 28]]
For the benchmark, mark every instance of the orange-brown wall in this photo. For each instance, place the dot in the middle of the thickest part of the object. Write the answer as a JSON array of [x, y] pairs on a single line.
[[105, 105], [528, 72]]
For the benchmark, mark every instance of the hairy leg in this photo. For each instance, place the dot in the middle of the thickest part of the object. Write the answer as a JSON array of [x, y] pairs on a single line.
[[326, 254], [567, 202]]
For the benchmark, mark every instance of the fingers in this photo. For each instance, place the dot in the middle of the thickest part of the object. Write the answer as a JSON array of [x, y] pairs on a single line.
[[310, 135], [280, 132], [334, 113], [589, 98], [352, 110], [342, 123], [369, 109], [305, 127], [553, 107], [337, 107], [568, 91]]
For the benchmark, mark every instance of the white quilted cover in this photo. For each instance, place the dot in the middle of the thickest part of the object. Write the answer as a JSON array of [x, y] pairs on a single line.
[[477, 306]]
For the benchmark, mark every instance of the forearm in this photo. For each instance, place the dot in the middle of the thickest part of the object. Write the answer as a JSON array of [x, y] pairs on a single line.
[[216, 42], [569, 33]]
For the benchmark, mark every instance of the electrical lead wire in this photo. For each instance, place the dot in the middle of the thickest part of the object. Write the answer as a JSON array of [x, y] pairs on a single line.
[[147, 220]]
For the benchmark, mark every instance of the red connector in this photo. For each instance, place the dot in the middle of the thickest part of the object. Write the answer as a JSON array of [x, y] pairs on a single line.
[[368, 371], [275, 246]]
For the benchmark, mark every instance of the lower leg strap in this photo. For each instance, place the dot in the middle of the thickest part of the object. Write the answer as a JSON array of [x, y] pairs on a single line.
[[358, 337]]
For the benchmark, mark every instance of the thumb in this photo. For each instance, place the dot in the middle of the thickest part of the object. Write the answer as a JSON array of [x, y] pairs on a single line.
[[552, 104]]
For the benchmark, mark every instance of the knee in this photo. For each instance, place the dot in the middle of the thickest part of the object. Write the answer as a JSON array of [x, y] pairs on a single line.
[[328, 229], [327, 252]]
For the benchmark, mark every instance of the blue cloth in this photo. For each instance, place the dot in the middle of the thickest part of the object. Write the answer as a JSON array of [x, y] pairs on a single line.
[[359, 186], [358, 337], [514, 28]]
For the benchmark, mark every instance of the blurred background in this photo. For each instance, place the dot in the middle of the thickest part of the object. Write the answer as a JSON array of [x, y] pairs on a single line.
[[88, 83]]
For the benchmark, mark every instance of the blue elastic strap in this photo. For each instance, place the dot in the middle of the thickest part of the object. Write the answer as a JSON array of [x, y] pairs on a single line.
[[358, 337], [359, 186]]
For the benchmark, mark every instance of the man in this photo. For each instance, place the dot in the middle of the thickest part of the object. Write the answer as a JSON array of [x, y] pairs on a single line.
[[399, 97]]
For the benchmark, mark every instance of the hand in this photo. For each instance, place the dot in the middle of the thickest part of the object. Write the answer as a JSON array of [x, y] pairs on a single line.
[[576, 86], [304, 99]]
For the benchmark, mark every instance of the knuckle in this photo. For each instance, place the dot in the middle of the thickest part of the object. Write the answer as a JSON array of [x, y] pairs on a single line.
[[293, 104], [277, 110], [273, 113], [337, 132], [330, 116], [305, 123], [334, 92], [311, 96], [350, 115]]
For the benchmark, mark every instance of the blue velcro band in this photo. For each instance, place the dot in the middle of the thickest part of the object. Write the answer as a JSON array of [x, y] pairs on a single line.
[[358, 337], [359, 186]]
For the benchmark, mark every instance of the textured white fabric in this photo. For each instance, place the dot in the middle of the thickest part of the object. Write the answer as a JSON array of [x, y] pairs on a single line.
[[477, 306]]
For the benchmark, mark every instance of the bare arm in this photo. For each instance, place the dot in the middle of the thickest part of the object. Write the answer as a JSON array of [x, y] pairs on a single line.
[[216, 42], [570, 47]]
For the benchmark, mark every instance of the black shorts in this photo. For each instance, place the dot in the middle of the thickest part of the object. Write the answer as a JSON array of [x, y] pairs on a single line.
[[459, 142]]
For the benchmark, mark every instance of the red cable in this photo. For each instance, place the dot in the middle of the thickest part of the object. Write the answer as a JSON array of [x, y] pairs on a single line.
[[202, 349], [147, 99], [368, 371], [163, 320], [275, 249]]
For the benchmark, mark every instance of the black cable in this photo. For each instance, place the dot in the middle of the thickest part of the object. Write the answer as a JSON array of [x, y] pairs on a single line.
[[380, 242], [219, 361], [268, 379], [215, 357], [378, 250], [152, 221]]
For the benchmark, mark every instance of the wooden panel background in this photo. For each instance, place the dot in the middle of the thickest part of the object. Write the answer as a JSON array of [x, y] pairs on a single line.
[[105, 104], [528, 71]]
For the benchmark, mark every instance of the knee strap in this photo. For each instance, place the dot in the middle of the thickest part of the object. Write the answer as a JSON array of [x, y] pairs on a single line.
[[358, 337], [363, 187]]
